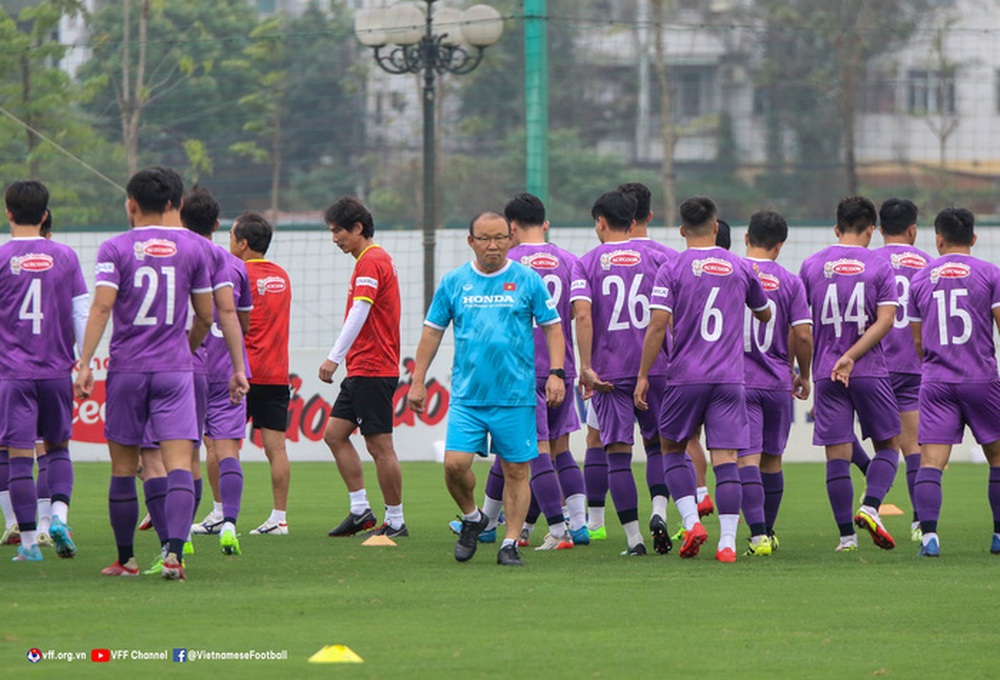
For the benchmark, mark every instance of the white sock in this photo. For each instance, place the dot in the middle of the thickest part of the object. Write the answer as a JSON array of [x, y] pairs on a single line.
[[359, 501], [558, 529], [394, 515], [577, 505], [225, 525], [702, 492], [60, 510], [688, 508], [872, 512], [8, 509], [216, 509], [528, 527], [596, 520], [632, 534], [727, 531], [660, 506], [508, 542], [473, 516], [277, 517], [28, 538], [927, 538], [492, 508], [44, 514]]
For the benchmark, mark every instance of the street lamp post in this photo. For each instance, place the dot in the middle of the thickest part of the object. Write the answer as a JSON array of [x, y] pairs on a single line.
[[408, 38]]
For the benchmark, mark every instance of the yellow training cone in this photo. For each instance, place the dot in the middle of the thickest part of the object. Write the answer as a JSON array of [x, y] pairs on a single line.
[[335, 654], [379, 540]]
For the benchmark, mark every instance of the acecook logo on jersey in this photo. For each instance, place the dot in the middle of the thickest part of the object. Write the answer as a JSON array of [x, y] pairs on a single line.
[[711, 265], [951, 270], [909, 260], [620, 258], [31, 262], [540, 261], [155, 247], [271, 284], [844, 267], [769, 282]]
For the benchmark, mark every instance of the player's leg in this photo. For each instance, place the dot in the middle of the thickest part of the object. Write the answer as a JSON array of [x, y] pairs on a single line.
[[516, 498], [225, 425], [24, 498], [658, 492], [213, 520], [833, 427], [43, 494], [465, 436], [267, 406], [55, 427], [547, 493], [751, 483], [390, 481], [511, 430], [773, 478], [11, 535], [123, 506], [981, 410], [154, 490], [616, 416], [595, 476], [344, 416], [928, 496], [875, 404], [698, 460], [992, 451], [906, 388], [726, 431], [572, 484]]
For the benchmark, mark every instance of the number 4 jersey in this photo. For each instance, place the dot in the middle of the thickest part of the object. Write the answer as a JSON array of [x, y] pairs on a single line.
[[154, 270], [844, 286], [39, 280], [954, 298]]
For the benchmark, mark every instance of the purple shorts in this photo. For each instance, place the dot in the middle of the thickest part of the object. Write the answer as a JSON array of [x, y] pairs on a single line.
[[225, 420], [617, 414], [33, 409], [553, 423], [164, 400], [946, 408], [200, 409], [769, 419], [722, 409], [835, 406], [906, 387]]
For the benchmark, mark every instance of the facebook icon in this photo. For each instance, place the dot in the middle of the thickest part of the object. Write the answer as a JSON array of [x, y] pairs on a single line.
[[180, 655]]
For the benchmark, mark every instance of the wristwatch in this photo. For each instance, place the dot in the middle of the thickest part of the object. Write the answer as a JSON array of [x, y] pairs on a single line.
[[558, 372]]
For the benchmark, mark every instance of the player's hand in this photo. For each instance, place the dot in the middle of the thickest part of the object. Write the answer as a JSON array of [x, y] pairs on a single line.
[[593, 381], [800, 388], [326, 370], [639, 395], [842, 370], [585, 392], [238, 387], [84, 383], [417, 397], [555, 391]]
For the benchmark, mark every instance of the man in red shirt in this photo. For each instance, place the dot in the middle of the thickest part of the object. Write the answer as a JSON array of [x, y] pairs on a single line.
[[369, 341], [267, 351]]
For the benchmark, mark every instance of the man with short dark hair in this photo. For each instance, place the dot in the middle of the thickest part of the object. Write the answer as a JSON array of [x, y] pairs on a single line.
[[369, 342], [851, 292], [267, 351], [146, 277], [492, 302], [955, 305], [43, 301], [701, 296], [898, 224]]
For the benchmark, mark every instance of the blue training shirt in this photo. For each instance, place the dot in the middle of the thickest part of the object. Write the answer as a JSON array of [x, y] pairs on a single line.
[[494, 340]]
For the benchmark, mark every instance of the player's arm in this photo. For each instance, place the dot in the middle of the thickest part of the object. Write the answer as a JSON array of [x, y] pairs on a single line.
[[585, 345], [244, 318], [348, 334], [916, 328], [884, 319], [555, 341], [81, 307], [652, 345], [229, 323], [201, 324], [802, 349], [763, 314], [430, 340], [97, 321]]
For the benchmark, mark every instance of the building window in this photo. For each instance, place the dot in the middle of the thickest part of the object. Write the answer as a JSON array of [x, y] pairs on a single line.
[[930, 92]]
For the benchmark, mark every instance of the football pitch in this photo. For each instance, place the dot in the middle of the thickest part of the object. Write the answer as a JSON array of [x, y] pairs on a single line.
[[413, 612]]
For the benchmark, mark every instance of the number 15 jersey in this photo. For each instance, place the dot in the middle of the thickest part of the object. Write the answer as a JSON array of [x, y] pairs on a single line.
[[154, 270]]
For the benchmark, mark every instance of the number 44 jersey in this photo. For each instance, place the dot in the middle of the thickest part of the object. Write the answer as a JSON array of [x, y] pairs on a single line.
[[154, 270], [844, 286]]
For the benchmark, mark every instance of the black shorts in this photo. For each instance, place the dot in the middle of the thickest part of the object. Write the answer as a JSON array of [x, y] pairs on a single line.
[[267, 406], [367, 402]]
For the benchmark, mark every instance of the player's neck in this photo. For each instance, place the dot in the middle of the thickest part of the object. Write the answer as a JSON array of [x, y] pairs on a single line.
[[948, 249], [25, 230], [640, 230], [612, 236], [707, 241], [851, 239], [899, 240], [362, 247], [758, 253], [171, 218]]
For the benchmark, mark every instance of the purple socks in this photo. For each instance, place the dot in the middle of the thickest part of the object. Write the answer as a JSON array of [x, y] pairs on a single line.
[[230, 488]]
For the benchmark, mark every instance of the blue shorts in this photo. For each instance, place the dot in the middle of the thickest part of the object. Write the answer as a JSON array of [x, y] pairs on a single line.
[[511, 429]]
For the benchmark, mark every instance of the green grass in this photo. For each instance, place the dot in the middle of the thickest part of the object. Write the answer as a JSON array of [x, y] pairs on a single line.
[[413, 612]]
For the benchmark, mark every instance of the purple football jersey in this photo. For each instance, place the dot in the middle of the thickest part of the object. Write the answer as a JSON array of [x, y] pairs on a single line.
[[768, 364], [155, 270], [556, 267], [844, 286], [617, 279], [706, 291], [232, 272], [954, 298], [38, 280], [906, 261]]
